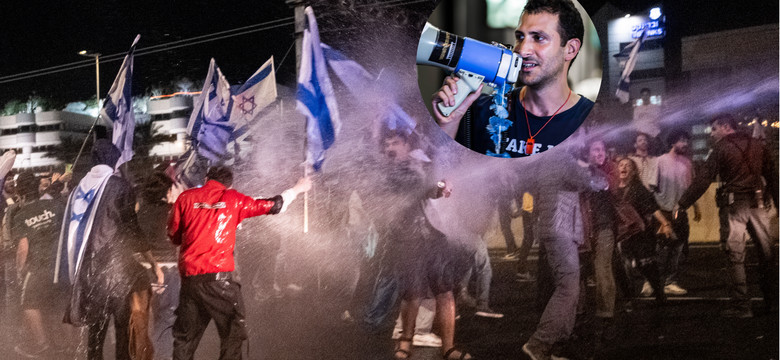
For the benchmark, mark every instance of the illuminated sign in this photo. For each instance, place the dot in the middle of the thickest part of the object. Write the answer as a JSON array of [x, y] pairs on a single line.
[[655, 29]]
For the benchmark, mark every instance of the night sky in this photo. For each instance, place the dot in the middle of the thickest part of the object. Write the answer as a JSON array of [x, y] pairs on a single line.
[[36, 34]]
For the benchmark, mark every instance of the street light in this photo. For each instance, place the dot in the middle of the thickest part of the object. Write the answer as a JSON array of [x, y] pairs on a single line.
[[97, 72], [97, 92]]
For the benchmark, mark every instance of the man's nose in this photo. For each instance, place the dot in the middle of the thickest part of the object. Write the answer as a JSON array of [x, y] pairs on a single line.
[[523, 48]]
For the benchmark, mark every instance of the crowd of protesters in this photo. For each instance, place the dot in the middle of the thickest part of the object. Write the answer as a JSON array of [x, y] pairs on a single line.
[[618, 221], [632, 240]]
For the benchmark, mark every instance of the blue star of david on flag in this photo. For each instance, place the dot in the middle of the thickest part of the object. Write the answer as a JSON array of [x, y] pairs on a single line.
[[247, 105]]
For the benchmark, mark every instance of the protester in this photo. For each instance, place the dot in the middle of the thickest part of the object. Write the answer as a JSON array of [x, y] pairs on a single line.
[[675, 172], [419, 253], [559, 231], [544, 111], [635, 208], [203, 223], [600, 236], [154, 205], [35, 225], [95, 256]]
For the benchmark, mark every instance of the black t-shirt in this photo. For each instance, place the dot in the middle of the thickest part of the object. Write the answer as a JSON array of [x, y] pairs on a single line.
[[40, 222], [474, 135], [153, 218]]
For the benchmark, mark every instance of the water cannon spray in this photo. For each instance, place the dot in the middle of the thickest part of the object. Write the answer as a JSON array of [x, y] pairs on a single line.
[[474, 62]]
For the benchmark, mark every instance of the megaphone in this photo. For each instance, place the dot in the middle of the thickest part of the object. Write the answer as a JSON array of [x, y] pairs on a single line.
[[473, 61]]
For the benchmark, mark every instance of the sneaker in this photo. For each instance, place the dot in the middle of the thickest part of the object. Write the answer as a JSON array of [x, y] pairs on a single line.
[[426, 340], [511, 256], [36, 351], [647, 290], [294, 287], [487, 312], [525, 276], [536, 350], [737, 312], [397, 333], [347, 317], [674, 289]]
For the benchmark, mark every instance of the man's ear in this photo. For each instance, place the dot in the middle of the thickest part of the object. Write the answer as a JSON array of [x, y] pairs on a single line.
[[572, 48]]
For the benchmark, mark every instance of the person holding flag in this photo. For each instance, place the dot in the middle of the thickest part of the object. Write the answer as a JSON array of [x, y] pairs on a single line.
[[99, 236], [203, 223]]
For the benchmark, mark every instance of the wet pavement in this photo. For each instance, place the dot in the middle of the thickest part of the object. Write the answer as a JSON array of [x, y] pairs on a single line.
[[307, 324]]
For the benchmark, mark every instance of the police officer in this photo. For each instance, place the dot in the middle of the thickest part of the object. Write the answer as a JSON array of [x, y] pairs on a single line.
[[747, 173]]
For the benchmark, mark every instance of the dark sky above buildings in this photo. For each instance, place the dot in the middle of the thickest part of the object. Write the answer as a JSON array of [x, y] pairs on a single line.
[[36, 34]]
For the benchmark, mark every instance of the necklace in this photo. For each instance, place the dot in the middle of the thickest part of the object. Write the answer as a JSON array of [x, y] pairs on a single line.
[[529, 144]]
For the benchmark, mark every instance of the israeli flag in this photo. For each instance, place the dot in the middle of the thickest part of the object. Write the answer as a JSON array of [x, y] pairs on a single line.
[[118, 108], [356, 78], [625, 77], [256, 93], [209, 127], [315, 97]]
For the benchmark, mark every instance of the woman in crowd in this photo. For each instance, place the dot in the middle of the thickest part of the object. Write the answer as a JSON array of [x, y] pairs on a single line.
[[637, 231]]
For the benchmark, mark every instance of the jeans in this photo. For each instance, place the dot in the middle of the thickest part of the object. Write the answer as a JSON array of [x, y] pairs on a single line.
[[505, 222], [163, 313], [528, 242], [742, 217], [483, 272], [557, 321], [383, 298], [131, 317], [669, 254], [604, 276]]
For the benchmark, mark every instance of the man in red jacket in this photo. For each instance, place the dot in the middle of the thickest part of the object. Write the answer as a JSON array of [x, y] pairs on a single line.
[[203, 222]]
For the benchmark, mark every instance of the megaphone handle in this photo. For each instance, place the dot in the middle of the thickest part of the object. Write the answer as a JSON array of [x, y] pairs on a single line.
[[467, 84]]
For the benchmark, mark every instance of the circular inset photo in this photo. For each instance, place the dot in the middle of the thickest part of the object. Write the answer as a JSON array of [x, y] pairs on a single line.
[[509, 78]]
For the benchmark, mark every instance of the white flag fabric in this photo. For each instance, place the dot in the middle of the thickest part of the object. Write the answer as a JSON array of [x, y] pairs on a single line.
[[118, 108], [625, 77], [209, 128], [254, 95]]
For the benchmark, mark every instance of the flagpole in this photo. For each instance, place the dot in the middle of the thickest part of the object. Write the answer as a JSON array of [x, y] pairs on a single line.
[[91, 128]]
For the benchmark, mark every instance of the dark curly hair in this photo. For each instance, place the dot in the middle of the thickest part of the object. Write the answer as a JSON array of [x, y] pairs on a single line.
[[221, 174], [569, 20]]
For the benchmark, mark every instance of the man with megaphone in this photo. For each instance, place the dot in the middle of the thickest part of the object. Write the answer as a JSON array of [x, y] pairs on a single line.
[[542, 109]]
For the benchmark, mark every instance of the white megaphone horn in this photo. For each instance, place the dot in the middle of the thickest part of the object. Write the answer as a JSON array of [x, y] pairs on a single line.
[[472, 61]]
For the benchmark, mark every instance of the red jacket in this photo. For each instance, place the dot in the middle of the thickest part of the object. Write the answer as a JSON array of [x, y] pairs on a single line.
[[204, 221]]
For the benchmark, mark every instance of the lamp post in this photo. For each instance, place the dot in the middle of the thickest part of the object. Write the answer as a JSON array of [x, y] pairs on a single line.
[[97, 72], [97, 94]]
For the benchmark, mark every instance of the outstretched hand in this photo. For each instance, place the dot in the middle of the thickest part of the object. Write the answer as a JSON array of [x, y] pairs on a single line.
[[303, 185], [445, 188]]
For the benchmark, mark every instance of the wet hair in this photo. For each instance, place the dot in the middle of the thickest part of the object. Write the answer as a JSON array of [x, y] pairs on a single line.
[[635, 176], [55, 189], [221, 174], [386, 134], [156, 187], [639, 133], [569, 20], [676, 135], [27, 185], [725, 119], [105, 153], [588, 144]]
